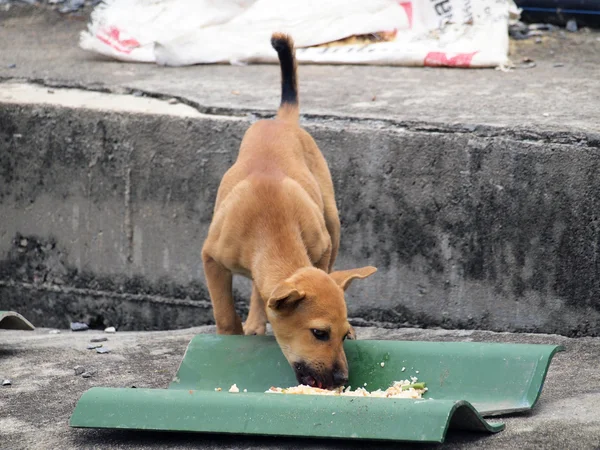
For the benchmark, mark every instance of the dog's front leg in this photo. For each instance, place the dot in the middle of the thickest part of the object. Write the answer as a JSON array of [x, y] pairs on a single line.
[[218, 279], [256, 323]]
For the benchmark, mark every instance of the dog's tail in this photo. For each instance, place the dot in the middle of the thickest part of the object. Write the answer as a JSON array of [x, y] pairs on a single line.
[[284, 46]]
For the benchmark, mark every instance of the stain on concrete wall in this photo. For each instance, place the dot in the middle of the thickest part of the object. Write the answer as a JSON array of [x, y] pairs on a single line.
[[470, 228]]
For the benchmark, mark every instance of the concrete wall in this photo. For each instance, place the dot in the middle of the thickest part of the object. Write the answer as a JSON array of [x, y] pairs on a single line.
[[103, 214]]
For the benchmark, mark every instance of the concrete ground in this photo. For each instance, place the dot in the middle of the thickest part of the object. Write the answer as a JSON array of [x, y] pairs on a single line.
[[561, 90], [556, 101], [35, 410]]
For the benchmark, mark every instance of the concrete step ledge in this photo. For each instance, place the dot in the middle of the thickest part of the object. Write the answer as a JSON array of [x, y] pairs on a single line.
[[470, 226]]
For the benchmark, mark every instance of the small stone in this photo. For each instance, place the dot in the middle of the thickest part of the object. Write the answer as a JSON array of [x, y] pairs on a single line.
[[102, 350], [99, 339], [572, 26], [12, 66], [403, 369], [89, 373], [173, 101], [50, 91], [245, 390], [558, 65], [23, 243], [79, 326], [110, 330], [71, 6], [54, 332], [6, 383], [79, 370], [538, 40], [93, 346], [382, 364], [527, 63]]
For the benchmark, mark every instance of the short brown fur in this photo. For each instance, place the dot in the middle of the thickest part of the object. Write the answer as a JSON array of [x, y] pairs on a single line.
[[276, 222]]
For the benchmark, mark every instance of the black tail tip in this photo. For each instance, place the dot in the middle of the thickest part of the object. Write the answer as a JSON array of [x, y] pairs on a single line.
[[281, 42]]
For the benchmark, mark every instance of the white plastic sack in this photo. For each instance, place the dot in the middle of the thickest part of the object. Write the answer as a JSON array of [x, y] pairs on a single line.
[[464, 33]]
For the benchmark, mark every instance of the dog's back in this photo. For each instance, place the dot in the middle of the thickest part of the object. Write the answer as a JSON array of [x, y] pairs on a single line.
[[280, 178], [279, 148]]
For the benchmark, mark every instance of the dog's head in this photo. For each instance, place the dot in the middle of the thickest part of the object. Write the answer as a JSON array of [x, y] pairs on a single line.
[[308, 314]]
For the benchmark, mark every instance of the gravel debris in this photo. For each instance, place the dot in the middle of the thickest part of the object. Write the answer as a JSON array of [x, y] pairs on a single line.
[[71, 6], [89, 373]]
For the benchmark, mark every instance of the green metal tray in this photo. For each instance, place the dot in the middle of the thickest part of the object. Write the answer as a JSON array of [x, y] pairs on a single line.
[[462, 378], [11, 320]]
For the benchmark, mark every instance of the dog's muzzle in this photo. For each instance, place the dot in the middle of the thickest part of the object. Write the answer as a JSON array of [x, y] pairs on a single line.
[[309, 377]]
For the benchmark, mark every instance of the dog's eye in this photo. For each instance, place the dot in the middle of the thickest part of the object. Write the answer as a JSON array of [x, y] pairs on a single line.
[[320, 334]]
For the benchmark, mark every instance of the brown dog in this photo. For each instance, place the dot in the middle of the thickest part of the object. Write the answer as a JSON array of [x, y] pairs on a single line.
[[276, 222]]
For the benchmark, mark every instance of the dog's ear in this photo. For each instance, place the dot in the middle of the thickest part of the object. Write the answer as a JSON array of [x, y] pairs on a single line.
[[343, 278], [285, 297]]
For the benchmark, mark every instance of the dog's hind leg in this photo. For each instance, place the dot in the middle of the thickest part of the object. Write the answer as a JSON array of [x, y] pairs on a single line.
[[256, 323], [219, 279], [332, 222], [324, 263]]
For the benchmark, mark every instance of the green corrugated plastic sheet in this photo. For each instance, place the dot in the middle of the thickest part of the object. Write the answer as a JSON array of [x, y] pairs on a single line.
[[465, 382]]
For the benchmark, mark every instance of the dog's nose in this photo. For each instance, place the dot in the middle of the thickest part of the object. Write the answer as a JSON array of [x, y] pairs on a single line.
[[339, 378]]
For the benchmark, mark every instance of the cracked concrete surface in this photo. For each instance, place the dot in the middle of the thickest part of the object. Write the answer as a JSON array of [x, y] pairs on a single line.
[[524, 142], [36, 409], [560, 91]]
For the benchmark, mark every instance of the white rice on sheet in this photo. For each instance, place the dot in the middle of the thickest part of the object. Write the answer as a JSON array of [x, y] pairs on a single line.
[[399, 389]]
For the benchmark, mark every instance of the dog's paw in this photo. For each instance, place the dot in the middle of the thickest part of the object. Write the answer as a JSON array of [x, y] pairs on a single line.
[[351, 334], [254, 329]]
